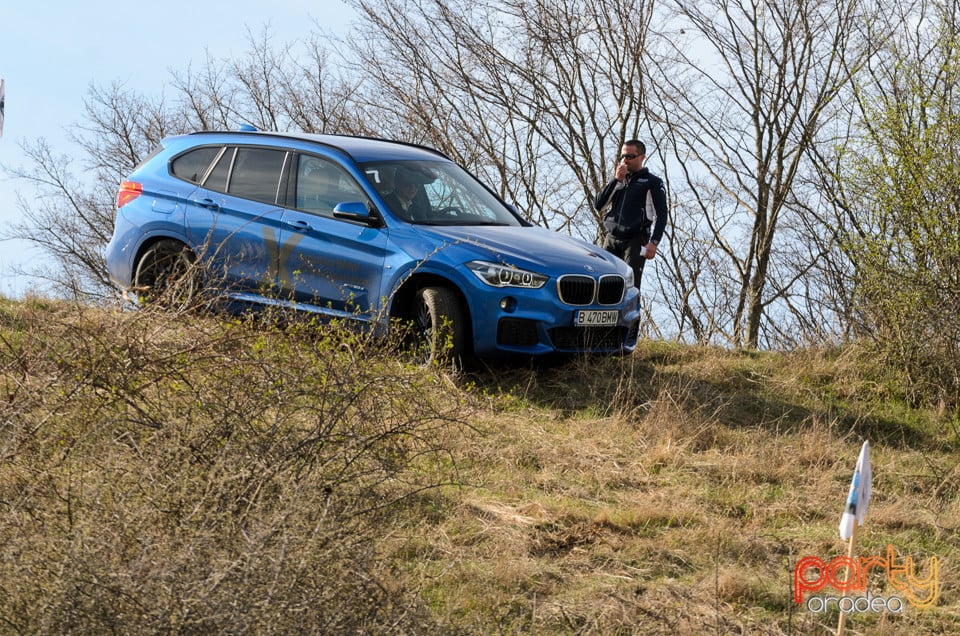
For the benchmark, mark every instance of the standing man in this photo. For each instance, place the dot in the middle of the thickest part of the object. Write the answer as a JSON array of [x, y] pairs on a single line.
[[638, 209]]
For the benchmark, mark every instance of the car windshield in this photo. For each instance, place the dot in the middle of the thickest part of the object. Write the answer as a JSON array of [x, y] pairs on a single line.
[[436, 193]]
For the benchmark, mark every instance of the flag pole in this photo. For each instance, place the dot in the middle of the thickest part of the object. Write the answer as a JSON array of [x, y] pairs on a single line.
[[850, 553], [855, 511]]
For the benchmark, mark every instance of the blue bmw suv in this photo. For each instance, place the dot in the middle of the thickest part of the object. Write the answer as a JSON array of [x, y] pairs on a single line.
[[381, 232]]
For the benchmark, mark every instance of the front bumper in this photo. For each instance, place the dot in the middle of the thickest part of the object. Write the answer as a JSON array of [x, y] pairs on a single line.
[[537, 322]]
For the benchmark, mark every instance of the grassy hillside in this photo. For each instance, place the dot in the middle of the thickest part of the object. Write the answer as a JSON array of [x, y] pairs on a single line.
[[186, 474]]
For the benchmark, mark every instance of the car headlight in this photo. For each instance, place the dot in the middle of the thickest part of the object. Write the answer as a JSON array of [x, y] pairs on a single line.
[[630, 278], [497, 275]]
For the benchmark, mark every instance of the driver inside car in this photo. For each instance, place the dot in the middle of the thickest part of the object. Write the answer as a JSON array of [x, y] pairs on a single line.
[[407, 199]]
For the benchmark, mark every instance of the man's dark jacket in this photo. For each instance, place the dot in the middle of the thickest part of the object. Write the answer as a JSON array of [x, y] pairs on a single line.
[[635, 205]]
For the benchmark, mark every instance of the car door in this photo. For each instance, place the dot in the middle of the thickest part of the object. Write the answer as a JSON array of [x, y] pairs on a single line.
[[331, 265], [233, 221]]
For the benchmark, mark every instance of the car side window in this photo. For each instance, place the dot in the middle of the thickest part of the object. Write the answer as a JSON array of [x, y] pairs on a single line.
[[217, 179], [322, 184], [256, 174], [193, 165]]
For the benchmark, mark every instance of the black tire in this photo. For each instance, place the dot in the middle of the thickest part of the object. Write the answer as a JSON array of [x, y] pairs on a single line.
[[439, 329], [166, 276]]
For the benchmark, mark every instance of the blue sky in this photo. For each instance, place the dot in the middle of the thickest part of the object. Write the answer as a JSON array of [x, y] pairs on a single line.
[[51, 54]]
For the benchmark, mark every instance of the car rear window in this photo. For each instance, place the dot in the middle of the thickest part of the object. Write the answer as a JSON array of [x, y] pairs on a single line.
[[193, 165]]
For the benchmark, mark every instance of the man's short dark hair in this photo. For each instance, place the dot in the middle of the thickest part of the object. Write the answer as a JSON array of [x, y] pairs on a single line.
[[639, 144]]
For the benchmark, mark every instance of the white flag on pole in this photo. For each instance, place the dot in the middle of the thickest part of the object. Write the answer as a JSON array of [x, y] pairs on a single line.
[[859, 497]]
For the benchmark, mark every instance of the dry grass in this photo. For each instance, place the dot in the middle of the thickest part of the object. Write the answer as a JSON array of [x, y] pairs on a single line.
[[194, 475]]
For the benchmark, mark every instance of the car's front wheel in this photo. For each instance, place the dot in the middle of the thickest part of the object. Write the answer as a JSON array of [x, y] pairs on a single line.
[[166, 276], [440, 331]]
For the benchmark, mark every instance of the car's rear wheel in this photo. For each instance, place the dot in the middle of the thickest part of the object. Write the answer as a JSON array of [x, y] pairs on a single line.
[[166, 276], [439, 329]]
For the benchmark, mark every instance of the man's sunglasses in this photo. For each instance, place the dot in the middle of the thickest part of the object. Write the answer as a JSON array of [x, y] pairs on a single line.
[[627, 157]]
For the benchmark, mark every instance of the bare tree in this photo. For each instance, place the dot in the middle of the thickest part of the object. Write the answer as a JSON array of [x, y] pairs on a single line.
[[71, 217], [535, 95], [744, 93], [295, 87]]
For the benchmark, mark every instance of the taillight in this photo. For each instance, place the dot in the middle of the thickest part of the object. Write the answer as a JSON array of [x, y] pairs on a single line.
[[129, 190]]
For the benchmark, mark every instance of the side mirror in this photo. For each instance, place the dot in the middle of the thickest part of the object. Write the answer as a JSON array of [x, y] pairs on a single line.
[[356, 211]]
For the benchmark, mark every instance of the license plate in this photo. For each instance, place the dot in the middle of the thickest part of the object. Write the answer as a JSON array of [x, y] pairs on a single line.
[[597, 317]]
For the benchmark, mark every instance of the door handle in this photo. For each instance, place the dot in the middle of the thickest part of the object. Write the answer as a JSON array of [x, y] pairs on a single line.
[[209, 204], [300, 226]]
